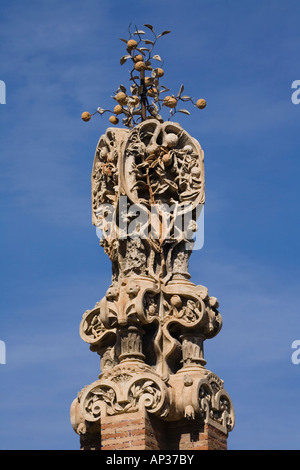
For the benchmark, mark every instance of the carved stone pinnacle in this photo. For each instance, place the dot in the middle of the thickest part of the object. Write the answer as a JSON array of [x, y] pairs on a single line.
[[149, 328]]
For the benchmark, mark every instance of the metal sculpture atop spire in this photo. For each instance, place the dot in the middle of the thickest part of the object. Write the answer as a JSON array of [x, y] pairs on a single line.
[[146, 97]]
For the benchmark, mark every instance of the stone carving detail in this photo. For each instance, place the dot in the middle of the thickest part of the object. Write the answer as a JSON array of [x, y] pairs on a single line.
[[215, 403], [150, 326], [105, 169], [158, 170], [162, 164], [122, 392]]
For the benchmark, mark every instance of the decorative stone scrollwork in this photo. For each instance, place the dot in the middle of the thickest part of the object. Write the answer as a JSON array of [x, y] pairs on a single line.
[[215, 403], [121, 393], [150, 326], [142, 310], [197, 394]]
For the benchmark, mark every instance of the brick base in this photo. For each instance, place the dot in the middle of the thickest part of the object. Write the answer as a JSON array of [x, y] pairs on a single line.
[[134, 431], [195, 436], [141, 431]]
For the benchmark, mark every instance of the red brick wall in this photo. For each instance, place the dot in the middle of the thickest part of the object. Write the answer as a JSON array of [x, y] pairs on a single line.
[[140, 431], [129, 432], [193, 435]]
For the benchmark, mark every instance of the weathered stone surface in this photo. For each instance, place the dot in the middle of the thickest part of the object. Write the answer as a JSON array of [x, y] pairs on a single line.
[[150, 326]]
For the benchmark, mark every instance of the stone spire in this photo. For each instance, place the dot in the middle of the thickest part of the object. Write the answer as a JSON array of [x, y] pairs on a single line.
[[153, 391]]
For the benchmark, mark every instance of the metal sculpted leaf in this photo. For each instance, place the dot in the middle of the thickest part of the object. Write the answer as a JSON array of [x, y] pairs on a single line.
[[163, 33], [124, 58], [139, 31], [157, 57], [180, 91], [149, 26], [184, 111]]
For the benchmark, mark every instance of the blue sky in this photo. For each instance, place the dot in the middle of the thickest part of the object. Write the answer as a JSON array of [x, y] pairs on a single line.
[[61, 58]]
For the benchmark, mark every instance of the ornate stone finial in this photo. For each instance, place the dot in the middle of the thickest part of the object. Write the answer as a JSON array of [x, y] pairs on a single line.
[[148, 189]]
